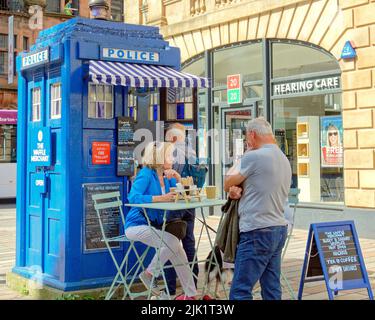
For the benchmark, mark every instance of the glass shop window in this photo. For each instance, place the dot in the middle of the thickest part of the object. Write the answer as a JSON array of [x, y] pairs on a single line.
[[55, 101], [36, 104], [132, 106], [291, 60], [154, 107], [8, 143], [179, 104], [100, 101]]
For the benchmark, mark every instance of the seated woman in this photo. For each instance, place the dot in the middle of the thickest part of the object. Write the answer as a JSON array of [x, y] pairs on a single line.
[[152, 184]]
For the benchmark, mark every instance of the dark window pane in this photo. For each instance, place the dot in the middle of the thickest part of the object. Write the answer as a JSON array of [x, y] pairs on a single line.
[[25, 45], [53, 6], [291, 59], [3, 62], [4, 41], [117, 10]]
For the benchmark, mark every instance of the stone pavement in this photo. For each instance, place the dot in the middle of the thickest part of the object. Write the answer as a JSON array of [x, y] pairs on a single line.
[[291, 266]]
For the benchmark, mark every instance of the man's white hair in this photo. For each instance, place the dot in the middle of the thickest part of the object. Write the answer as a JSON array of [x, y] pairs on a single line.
[[174, 132], [260, 126]]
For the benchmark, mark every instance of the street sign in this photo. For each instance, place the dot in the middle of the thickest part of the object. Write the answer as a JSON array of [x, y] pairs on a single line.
[[333, 254], [348, 52], [234, 89], [10, 49]]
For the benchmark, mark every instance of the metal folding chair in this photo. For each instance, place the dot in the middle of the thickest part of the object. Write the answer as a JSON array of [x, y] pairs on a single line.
[[126, 273], [293, 201]]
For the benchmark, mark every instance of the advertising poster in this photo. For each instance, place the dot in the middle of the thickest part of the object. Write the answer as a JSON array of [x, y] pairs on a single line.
[[331, 141]]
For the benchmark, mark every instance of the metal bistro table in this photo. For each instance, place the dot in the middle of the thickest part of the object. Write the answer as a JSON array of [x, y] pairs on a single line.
[[174, 206]]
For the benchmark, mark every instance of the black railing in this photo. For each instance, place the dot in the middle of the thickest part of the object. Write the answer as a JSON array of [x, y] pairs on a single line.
[[12, 5]]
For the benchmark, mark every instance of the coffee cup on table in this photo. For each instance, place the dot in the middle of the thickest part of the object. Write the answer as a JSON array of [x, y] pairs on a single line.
[[211, 192]]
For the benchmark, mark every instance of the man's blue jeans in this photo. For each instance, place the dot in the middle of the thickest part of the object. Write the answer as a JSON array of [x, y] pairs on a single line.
[[188, 243], [258, 257]]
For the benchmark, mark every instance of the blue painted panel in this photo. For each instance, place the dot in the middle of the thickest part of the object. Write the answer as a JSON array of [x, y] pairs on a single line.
[[54, 237], [56, 193]]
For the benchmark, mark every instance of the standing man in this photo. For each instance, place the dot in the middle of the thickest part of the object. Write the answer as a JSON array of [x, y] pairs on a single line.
[[261, 180], [183, 153]]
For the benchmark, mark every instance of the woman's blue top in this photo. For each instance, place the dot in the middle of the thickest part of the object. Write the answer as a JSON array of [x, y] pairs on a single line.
[[145, 186]]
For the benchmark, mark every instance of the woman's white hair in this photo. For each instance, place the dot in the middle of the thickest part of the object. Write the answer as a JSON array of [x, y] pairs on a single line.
[[155, 153], [260, 126]]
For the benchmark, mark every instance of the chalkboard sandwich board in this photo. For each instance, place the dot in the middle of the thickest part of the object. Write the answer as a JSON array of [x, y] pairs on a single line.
[[333, 254], [125, 131]]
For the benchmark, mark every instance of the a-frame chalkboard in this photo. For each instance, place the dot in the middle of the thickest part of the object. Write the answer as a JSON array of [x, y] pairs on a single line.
[[333, 254]]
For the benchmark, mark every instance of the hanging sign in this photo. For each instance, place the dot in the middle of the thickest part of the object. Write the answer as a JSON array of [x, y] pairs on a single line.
[[331, 142], [10, 49], [333, 254], [101, 153], [234, 89], [348, 52], [41, 147]]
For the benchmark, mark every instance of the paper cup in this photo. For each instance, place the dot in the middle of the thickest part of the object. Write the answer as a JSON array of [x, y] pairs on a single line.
[[211, 192]]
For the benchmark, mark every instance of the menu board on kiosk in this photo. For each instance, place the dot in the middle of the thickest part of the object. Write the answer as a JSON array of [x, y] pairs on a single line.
[[125, 161], [125, 131], [333, 254], [110, 217]]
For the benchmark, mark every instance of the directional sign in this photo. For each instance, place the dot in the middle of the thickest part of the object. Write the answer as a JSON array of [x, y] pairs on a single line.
[[234, 88]]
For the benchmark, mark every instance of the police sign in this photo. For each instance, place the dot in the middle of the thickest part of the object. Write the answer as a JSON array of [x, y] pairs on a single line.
[[35, 59], [123, 54]]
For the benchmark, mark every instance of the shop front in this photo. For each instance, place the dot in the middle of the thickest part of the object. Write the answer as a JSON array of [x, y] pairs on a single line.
[[297, 87]]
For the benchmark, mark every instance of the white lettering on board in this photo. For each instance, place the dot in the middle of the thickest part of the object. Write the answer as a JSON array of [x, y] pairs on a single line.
[[123, 54]]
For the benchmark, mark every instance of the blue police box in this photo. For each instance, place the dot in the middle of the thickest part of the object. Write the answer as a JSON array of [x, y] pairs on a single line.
[[73, 86]]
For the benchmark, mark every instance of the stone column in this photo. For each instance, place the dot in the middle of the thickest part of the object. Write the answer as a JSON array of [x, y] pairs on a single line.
[[156, 13]]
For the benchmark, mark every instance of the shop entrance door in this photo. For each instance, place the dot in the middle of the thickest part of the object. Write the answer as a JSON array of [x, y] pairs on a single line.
[[233, 145]]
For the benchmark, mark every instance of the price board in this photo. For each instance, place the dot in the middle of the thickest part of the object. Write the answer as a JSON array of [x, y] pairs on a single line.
[[333, 254], [125, 161], [234, 89], [125, 131]]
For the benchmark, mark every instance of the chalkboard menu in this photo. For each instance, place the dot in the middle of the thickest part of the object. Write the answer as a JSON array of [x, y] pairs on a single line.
[[110, 217], [125, 131], [333, 254], [125, 161], [340, 252]]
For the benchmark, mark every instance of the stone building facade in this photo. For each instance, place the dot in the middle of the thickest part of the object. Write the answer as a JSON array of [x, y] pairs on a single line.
[[197, 26]]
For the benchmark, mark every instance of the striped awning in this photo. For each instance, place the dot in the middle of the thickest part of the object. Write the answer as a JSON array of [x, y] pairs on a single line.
[[141, 75]]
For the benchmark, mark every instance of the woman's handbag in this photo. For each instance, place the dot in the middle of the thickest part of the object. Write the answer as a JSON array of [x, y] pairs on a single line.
[[177, 228]]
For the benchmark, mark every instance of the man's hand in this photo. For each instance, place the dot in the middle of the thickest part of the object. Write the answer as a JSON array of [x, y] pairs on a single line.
[[235, 192]]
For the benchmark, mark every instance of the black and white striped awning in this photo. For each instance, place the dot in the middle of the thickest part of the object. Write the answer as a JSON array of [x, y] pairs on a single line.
[[141, 75]]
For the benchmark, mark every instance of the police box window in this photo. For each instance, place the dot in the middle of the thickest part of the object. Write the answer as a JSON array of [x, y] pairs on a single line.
[[36, 103], [55, 101], [100, 101]]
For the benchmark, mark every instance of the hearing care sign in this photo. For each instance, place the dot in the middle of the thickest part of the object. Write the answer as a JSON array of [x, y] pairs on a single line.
[[306, 86]]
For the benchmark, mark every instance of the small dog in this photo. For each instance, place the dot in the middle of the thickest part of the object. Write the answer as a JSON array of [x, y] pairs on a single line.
[[215, 270]]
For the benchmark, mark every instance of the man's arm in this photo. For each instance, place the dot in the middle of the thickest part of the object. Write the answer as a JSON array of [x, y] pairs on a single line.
[[233, 178]]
